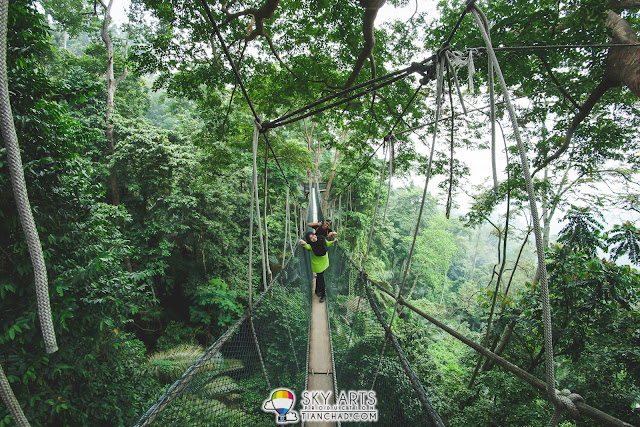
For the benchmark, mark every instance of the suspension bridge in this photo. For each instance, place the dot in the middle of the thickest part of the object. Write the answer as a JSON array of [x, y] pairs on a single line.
[[288, 339]]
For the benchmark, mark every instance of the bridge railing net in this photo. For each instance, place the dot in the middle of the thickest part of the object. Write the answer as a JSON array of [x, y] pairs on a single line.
[[228, 384], [358, 339]]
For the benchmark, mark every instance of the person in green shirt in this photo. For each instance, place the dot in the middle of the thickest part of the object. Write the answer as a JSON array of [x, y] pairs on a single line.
[[319, 259]]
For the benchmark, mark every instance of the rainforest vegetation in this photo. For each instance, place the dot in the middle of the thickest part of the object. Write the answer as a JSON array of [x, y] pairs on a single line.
[[136, 143]]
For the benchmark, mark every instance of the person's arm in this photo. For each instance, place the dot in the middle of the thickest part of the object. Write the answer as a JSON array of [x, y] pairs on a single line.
[[314, 224], [331, 242], [304, 244]]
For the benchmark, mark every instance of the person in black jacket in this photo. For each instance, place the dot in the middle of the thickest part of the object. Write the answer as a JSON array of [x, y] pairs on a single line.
[[323, 228]]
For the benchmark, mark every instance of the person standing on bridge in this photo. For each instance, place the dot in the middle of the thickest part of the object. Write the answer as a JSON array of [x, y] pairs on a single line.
[[323, 228], [318, 245]]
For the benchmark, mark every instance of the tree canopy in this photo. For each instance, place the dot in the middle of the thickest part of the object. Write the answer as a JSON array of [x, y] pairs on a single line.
[[137, 149]]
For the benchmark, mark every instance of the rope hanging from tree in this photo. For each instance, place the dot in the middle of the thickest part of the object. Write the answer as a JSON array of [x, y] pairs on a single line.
[[254, 191], [482, 22], [10, 401], [439, 80], [21, 196]]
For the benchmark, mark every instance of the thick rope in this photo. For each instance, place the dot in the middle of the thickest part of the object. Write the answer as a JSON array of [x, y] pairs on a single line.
[[368, 87], [339, 221], [439, 84], [391, 159], [257, 198], [453, 58], [492, 114], [10, 401], [266, 201], [585, 409], [20, 194], [546, 310], [337, 103], [256, 135], [451, 149]]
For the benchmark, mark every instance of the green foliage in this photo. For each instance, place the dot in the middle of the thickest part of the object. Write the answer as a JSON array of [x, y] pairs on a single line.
[[167, 366], [582, 231], [175, 334], [168, 263], [624, 241], [214, 302]]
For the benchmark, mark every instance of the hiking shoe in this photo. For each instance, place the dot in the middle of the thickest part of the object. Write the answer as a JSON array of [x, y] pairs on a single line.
[[322, 298]]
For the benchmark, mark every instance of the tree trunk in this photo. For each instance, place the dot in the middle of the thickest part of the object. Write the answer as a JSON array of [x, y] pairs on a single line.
[[415, 281], [623, 63], [333, 174], [504, 340], [112, 84]]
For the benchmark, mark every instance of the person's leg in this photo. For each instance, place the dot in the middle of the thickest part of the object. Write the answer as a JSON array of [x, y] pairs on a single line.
[[320, 286]]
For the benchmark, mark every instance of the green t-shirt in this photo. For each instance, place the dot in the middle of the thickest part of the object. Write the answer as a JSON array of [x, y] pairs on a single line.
[[319, 263]]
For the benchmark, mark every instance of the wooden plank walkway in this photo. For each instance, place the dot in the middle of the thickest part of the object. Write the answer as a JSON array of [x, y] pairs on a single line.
[[320, 361]]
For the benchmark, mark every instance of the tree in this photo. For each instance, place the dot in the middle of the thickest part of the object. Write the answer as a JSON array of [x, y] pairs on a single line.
[[623, 240], [93, 297]]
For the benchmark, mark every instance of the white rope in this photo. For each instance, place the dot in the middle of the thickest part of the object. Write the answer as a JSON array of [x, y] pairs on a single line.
[[439, 95], [339, 221], [256, 135], [452, 59], [286, 230], [546, 310], [492, 114], [472, 72], [10, 401], [391, 158], [21, 196], [255, 193]]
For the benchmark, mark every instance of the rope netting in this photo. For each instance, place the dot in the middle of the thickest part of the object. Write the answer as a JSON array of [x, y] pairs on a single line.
[[229, 382], [357, 333]]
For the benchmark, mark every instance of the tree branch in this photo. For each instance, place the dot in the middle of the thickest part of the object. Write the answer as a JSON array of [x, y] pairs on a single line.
[[628, 4], [604, 85], [622, 67], [555, 80], [370, 13]]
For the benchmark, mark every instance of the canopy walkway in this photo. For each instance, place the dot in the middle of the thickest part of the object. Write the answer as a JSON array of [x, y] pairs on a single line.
[[287, 339], [292, 340]]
